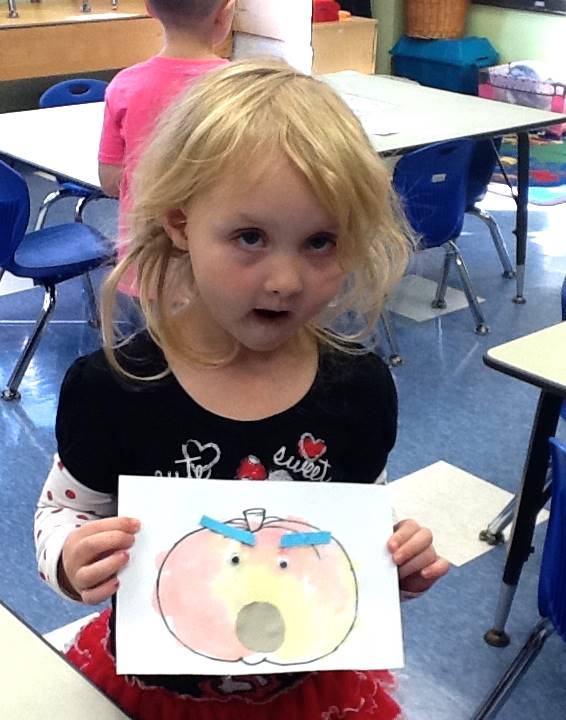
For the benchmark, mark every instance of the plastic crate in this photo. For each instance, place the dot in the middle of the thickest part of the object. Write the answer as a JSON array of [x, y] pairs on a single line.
[[508, 83], [446, 64]]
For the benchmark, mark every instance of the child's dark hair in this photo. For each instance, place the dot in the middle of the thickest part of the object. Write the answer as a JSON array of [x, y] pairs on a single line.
[[183, 12]]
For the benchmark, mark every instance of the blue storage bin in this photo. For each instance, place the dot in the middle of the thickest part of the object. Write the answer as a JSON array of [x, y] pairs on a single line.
[[447, 64]]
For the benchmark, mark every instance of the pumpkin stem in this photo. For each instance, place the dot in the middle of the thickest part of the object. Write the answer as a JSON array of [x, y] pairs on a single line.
[[254, 518]]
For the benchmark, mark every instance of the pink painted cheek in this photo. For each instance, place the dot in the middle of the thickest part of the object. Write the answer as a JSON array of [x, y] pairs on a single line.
[[331, 574], [199, 618], [323, 566]]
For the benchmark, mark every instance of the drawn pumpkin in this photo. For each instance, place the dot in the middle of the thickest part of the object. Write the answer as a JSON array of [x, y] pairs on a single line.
[[232, 600]]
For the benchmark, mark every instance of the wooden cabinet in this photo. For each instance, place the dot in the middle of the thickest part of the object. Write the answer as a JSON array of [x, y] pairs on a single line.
[[53, 37], [346, 45]]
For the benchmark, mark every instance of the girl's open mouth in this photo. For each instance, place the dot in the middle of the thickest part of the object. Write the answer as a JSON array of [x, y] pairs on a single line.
[[271, 314]]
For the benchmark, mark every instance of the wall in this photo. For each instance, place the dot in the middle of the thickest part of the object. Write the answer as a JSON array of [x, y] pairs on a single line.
[[389, 14], [517, 35]]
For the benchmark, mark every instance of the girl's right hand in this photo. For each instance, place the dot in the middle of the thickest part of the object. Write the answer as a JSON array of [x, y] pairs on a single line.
[[92, 556]]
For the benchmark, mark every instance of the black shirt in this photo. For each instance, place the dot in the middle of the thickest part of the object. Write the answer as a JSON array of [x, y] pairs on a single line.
[[342, 430]]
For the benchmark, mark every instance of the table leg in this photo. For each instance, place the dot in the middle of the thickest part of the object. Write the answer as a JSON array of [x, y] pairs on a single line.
[[531, 500], [522, 200]]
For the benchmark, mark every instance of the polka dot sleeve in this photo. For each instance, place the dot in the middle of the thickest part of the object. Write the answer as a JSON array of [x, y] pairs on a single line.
[[64, 505]]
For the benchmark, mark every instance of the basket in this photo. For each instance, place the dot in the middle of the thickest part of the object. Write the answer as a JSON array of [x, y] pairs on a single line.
[[435, 18]]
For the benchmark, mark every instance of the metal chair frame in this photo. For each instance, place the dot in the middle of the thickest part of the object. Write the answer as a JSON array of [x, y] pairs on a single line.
[[14, 197], [94, 93], [551, 602], [440, 224]]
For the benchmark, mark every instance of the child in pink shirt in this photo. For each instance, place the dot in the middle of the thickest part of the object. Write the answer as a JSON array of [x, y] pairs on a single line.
[[137, 96]]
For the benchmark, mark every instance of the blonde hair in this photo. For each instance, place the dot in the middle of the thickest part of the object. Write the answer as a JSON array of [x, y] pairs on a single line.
[[235, 116]]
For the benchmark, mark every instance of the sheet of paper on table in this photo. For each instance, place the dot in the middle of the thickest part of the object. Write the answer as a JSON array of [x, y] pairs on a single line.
[[378, 117], [241, 577]]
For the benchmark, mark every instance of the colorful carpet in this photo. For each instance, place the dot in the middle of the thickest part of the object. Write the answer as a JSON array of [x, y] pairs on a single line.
[[547, 173]]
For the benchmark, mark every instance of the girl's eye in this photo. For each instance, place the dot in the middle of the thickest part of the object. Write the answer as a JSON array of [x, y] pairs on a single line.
[[250, 239], [235, 559], [322, 242], [283, 563]]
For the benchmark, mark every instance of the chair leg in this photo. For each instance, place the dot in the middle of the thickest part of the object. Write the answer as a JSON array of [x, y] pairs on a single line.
[[11, 391], [82, 202], [395, 357], [440, 297], [493, 533], [79, 209], [91, 300], [481, 327], [46, 205], [523, 660], [489, 220]]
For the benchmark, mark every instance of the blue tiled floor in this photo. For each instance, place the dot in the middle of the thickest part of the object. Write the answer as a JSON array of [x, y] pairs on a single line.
[[451, 407]]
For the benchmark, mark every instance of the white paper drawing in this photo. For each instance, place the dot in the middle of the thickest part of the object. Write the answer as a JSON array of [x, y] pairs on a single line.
[[240, 577]]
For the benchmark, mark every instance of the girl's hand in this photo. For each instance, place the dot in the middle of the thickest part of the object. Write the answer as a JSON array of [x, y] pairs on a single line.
[[92, 556], [414, 554]]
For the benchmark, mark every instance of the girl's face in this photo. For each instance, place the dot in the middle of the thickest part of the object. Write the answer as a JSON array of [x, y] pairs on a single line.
[[263, 253]]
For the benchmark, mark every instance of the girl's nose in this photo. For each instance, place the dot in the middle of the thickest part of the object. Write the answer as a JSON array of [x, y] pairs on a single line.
[[284, 277]]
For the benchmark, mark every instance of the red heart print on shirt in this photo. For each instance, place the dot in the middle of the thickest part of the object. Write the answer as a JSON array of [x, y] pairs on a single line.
[[311, 449], [251, 469]]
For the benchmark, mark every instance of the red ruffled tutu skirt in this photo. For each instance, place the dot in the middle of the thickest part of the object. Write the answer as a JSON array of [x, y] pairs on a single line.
[[329, 695]]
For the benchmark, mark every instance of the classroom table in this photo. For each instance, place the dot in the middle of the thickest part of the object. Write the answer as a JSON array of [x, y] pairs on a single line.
[[424, 115], [540, 360], [38, 683], [400, 116], [62, 141]]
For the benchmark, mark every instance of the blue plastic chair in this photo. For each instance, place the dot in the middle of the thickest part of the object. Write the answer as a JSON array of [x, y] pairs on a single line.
[[433, 186], [482, 165], [563, 408], [551, 591], [71, 92], [48, 257]]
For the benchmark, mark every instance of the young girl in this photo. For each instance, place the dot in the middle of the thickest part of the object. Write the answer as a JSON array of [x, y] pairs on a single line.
[[261, 213]]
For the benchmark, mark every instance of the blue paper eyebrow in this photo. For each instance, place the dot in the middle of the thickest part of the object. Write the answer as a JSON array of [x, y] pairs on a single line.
[[229, 531], [299, 539]]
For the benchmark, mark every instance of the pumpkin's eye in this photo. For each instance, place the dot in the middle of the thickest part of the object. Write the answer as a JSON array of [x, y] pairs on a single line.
[[283, 563], [235, 559]]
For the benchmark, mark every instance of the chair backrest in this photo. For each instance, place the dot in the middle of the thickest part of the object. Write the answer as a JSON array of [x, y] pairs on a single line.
[[482, 165], [432, 185], [552, 582], [73, 92], [14, 213]]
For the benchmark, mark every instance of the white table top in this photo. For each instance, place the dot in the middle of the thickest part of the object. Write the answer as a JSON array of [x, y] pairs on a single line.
[[61, 140], [538, 358], [426, 115], [37, 683], [64, 140]]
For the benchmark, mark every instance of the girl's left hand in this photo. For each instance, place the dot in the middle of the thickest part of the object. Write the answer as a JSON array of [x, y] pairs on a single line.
[[414, 554]]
